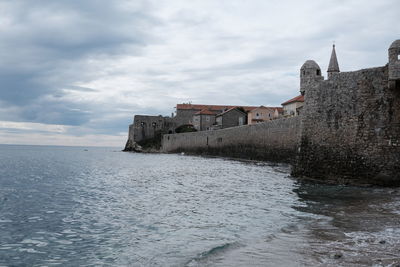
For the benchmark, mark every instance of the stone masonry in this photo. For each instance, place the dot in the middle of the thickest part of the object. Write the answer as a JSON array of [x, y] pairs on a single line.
[[351, 129], [275, 140], [348, 131]]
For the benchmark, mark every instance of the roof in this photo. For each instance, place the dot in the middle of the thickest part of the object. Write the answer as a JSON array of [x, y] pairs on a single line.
[[299, 98], [218, 108], [333, 63], [229, 110], [269, 108], [395, 44], [310, 64], [205, 112]]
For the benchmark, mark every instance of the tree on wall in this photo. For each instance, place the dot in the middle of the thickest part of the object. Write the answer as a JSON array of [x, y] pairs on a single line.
[[186, 128]]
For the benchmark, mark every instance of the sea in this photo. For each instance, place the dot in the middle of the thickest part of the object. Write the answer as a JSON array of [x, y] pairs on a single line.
[[86, 206]]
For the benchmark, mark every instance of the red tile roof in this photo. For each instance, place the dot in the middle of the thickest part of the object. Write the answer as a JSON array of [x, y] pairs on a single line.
[[205, 112], [226, 111], [299, 98], [217, 108], [280, 109]]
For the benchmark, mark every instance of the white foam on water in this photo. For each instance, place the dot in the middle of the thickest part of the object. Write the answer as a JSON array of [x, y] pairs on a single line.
[[35, 218], [34, 242], [64, 242], [30, 250], [68, 231]]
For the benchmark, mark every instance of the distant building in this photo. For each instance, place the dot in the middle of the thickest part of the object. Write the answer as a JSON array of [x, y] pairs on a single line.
[[263, 113], [293, 106], [203, 120], [232, 117]]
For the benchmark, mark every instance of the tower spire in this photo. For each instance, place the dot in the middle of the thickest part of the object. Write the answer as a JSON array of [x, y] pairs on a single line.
[[333, 63]]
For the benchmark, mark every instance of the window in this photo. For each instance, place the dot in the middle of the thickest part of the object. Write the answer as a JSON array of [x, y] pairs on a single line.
[[304, 72], [398, 57], [207, 118], [318, 72], [241, 121]]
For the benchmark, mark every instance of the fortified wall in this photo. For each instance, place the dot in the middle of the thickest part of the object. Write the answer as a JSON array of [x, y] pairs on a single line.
[[145, 127], [275, 140], [349, 130]]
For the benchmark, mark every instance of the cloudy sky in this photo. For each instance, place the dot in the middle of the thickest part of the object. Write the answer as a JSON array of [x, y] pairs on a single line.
[[74, 72]]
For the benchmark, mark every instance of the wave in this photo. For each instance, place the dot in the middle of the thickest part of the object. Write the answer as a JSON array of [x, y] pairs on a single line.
[[205, 256]]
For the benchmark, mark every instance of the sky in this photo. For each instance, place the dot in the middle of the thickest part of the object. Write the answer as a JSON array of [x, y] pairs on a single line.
[[75, 72]]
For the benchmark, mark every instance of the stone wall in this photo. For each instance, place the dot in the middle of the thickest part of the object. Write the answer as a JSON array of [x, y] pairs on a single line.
[[144, 127], [273, 140], [351, 129]]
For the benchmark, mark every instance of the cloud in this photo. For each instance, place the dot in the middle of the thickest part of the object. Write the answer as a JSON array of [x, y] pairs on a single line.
[[91, 65], [29, 126]]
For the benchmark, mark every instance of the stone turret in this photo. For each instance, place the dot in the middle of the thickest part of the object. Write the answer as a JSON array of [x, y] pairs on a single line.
[[310, 74], [333, 64], [394, 65]]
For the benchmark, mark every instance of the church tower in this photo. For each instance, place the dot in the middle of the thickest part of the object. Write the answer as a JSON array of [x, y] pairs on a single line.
[[333, 64]]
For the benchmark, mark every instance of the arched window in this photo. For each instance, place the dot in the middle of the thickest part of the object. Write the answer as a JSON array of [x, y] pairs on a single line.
[[318, 72]]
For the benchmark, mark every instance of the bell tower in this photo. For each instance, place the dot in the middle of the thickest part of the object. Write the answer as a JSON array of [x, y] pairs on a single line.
[[333, 63]]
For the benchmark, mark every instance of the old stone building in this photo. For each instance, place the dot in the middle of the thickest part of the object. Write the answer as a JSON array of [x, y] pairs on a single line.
[[203, 120], [202, 117], [231, 118]]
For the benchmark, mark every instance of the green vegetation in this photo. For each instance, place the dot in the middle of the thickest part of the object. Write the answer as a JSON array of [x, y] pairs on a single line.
[[186, 128]]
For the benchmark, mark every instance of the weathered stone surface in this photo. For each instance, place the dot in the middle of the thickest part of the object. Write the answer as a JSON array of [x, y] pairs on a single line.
[[351, 130], [275, 140]]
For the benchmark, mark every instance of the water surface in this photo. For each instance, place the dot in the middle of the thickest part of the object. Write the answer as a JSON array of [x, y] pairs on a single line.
[[98, 206]]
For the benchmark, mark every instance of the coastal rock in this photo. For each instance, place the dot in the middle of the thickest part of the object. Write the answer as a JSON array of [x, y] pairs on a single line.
[[132, 146]]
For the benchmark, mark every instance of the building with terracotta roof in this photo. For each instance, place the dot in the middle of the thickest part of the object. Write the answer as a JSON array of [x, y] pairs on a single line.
[[203, 120], [262, 113], [293, 106], [235, 116], [185, 113]]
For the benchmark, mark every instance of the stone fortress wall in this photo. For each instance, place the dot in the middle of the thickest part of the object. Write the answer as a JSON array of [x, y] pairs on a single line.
[[275, 140], [351, 129]]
